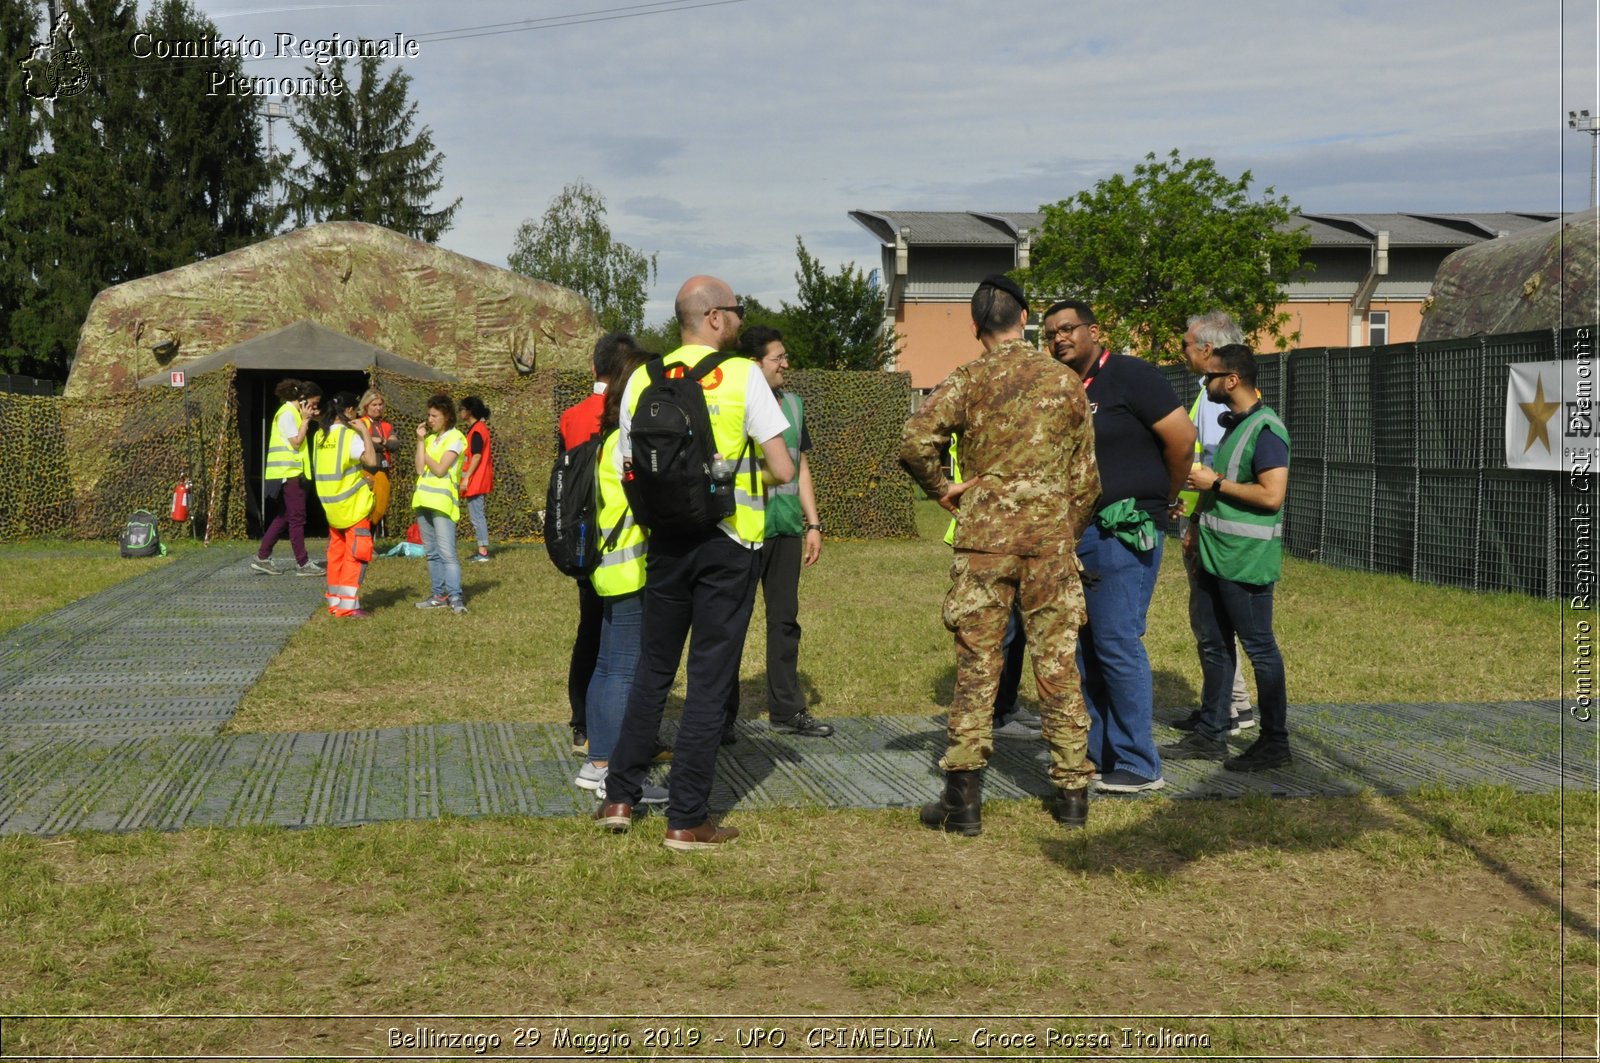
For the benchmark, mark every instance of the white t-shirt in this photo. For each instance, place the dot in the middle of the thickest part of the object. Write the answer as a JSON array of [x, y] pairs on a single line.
[[763, 419], [287, 426]]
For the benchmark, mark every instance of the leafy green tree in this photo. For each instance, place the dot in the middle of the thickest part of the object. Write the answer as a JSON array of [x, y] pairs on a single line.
[[838, 321], [361, 161], [1176, 240], [571, 245]]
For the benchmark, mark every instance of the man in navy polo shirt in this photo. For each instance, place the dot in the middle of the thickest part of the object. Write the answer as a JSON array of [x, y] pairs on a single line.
[[1144, 443]]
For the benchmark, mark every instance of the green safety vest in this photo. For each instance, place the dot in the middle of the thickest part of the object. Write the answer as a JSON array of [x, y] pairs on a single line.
[[621, 568], [286, 462], [784, 515], [345, 494], [442, 493], [1239, 542], [725, 401]]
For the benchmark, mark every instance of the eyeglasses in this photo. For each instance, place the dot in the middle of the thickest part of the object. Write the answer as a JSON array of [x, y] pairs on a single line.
[[737, 308], [777, 359], [1051, 333], [1209, 377]]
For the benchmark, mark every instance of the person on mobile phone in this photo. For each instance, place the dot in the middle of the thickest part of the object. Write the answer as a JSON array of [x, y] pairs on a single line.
[[287, 470]]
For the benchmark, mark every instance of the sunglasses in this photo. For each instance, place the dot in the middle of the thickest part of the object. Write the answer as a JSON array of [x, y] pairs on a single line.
[[737, 308]]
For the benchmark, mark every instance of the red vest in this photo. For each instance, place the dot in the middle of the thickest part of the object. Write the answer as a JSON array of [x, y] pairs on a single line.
[[482, 481]]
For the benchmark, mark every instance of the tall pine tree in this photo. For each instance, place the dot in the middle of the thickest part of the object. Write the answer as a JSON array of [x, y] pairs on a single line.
[[361, 161], [21, 132], [138, 172]]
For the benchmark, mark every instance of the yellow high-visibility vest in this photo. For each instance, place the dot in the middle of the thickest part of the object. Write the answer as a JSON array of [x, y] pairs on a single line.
[[442, 493], [345, 494]]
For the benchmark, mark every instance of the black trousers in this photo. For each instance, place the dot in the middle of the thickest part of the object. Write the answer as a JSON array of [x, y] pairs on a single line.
[[701, 590], [781, 557], [585, 651]]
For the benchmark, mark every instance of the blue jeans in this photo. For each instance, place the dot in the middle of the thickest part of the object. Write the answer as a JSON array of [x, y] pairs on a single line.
[[1118, 583], [1223, 609], [607, 698], [439, 543], [480, 521]]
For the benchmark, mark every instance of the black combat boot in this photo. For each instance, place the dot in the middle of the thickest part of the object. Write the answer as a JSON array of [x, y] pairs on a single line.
[[960, 810], [1071, 807]]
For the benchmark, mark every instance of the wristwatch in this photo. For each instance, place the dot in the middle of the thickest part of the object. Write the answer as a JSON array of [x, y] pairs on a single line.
[[1216, 488], [813, 527]]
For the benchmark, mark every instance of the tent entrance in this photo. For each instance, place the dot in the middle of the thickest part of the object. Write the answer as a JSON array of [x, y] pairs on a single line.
[[257, 405]]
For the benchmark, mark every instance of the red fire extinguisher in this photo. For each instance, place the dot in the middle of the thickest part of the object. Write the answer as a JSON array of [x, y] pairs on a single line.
[[180, 502]]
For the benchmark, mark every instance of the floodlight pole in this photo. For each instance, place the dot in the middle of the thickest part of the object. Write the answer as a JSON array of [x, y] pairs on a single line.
[[1584, 122]]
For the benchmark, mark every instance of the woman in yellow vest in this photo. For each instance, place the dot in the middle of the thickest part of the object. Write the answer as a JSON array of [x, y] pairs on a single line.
[[283, 479], [437, 502], [341, 460], [619, 581]]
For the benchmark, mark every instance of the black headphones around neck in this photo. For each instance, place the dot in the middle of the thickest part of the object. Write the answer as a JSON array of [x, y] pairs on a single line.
[[1230, 419]]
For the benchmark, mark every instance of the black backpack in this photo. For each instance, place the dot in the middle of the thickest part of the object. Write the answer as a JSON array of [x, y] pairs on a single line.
[[571, 510], [671, 486], [141, 537]]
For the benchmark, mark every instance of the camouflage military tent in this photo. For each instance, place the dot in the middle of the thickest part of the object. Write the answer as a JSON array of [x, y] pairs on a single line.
[[1541, 277], [303, 347], [463, 317]]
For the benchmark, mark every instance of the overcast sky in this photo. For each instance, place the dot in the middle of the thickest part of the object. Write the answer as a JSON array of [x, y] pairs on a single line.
[[719, 130]]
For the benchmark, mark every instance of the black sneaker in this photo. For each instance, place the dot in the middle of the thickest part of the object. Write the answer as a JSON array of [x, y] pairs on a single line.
[[1196, 746], [803, 724], [1188, 723], [580, 741], [1261, 757]]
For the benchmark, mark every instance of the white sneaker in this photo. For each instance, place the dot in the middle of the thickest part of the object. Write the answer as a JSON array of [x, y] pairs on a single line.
[[591, 777]]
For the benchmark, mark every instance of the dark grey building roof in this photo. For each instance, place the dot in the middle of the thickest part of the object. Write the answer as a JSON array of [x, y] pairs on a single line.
[[999, 228]]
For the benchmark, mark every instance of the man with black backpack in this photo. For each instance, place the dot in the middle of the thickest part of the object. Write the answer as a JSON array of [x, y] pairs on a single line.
[[692, 423]]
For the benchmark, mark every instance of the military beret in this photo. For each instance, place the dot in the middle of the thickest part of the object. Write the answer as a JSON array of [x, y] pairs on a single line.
[[1007, 285]]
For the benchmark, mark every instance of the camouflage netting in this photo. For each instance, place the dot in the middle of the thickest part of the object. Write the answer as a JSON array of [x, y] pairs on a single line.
[[86, 464], [452, 313], [1542, 277]]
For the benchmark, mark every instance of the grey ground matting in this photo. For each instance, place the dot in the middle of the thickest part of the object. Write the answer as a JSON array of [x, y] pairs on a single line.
[[110, 711]]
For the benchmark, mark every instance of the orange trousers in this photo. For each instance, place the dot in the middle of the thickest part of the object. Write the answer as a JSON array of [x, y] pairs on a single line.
[[345, 573]]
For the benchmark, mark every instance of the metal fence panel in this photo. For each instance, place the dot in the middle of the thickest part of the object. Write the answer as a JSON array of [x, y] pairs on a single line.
[[1394, 400], [1347, 515], [1305, 402], [1447, 527], [1302, 514], [1511, 540], [1349, 418], [1449, 423], [1394, 519]]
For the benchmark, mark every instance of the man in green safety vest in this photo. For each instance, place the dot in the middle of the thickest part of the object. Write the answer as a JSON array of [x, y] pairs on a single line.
[[1205, 334], [1236, 541]]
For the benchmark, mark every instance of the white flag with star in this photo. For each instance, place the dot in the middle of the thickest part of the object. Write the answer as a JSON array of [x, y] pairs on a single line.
[[1551, 414]]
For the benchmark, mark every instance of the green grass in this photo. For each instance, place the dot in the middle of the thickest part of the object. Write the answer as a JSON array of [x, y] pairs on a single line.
[[1434, 903], [42, 575], [874, 643]]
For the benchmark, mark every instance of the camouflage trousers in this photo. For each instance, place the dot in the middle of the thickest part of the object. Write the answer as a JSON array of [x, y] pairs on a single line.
[[977, 608]]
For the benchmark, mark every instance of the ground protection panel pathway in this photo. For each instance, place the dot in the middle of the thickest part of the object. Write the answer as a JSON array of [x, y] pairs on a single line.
[[109, 712]]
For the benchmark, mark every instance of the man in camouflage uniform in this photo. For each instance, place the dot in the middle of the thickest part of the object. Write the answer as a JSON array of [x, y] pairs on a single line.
[[1027, 452]]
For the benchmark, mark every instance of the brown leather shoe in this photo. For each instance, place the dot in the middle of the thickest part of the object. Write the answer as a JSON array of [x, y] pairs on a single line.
[[705, 836], [615, 818]]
